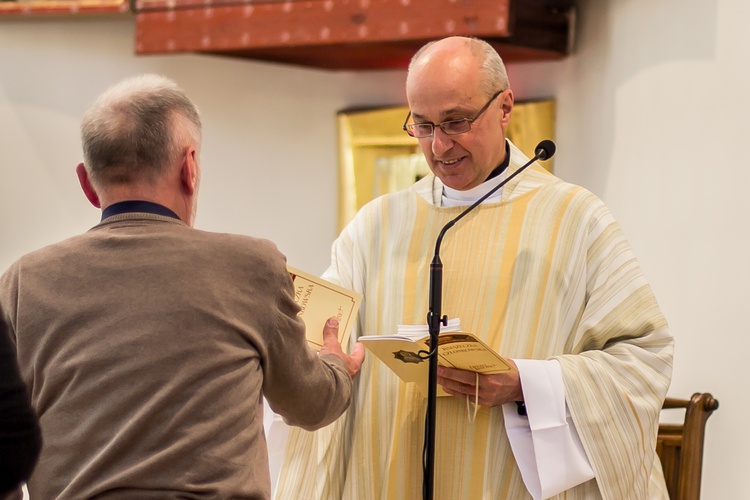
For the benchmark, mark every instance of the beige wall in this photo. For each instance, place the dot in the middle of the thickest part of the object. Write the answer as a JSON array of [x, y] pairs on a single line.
[[651, 117]]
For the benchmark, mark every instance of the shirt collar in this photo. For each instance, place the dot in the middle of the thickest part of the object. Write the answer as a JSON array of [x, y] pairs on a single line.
[[503, 164], [138, 206]]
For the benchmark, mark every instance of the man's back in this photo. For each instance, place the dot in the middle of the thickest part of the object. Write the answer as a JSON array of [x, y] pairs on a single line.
[[147, 347]]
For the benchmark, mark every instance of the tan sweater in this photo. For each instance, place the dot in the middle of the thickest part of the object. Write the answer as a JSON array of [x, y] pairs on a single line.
[[147, 347]]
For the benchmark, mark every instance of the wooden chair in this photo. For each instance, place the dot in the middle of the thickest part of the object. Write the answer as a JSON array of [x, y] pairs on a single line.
[[680, 446]]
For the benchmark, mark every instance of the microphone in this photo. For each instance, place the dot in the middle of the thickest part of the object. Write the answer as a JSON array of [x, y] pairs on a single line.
[[543, 151]]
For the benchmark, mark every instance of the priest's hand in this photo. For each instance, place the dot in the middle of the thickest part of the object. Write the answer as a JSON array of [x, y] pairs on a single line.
[[331, 345], [494, 390]]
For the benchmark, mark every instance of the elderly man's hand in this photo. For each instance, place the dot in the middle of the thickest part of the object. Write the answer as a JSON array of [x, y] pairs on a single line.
[[331, 345]]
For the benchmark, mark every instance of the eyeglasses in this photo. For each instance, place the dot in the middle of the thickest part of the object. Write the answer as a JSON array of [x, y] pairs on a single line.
[[450, 127]]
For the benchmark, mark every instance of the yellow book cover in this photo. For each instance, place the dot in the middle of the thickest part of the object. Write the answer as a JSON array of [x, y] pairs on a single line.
[[405, 353], [320, 299]]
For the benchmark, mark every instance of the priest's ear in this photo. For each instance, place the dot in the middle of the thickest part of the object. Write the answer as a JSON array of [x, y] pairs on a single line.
[[507, 101], [86, 186]]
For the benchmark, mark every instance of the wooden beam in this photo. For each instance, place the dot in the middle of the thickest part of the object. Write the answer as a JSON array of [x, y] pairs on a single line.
[[62, 7], [336, 34]]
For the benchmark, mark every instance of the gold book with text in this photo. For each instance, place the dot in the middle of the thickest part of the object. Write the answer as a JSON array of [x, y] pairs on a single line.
[[405, 353], [320, 299]]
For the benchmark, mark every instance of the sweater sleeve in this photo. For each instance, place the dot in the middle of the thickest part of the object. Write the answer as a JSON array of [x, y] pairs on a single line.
[[307, 390]]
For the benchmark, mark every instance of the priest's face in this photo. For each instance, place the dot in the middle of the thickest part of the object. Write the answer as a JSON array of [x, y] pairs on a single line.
[[442, 86]]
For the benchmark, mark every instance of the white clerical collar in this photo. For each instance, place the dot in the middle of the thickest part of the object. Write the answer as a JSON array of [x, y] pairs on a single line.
[[455, 198]]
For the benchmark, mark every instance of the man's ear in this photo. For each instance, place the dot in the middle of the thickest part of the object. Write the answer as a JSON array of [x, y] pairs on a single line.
[[189, 172], [88, 189]]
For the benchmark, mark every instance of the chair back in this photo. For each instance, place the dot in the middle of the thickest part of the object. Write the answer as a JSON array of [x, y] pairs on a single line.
[[680, 446]]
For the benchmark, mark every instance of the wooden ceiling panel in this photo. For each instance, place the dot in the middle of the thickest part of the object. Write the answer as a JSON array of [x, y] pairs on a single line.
[[350, 35]]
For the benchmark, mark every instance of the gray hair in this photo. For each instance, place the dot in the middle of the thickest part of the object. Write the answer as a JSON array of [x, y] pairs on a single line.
[[137, 129], [494, 76]]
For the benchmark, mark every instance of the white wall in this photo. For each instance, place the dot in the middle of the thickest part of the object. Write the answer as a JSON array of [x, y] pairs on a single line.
[[651, 118], [269, 156], [653, 113]]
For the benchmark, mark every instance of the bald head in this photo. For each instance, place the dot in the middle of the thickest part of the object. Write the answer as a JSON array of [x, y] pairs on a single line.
[[460, 53]]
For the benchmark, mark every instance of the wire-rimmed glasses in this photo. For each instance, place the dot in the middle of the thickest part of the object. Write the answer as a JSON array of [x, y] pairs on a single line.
[[450, 127]]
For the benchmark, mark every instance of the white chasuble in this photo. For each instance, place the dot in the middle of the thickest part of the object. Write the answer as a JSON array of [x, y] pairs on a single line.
[[544, 274]]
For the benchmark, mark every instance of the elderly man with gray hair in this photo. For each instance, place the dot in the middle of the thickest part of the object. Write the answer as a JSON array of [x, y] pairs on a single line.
[[148, 345]]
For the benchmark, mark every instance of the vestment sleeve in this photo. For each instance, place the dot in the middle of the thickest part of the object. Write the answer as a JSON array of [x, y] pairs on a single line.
[[616, 382], [545, 442]]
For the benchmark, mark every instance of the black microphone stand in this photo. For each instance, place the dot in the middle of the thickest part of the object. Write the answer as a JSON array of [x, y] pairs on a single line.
[[543, 151]]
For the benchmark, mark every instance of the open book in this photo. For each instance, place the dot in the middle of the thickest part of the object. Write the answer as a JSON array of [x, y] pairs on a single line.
[[456, 349], [320, 299]]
